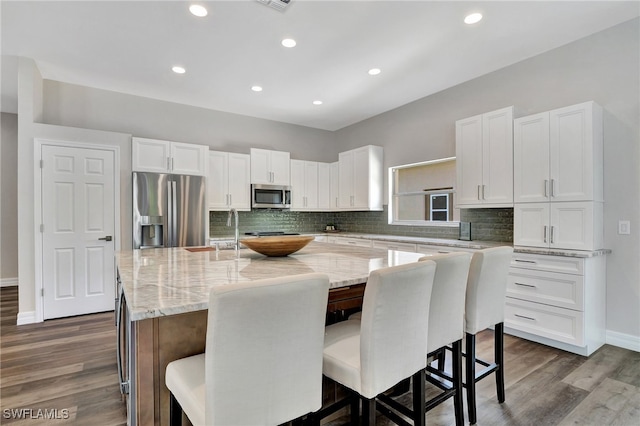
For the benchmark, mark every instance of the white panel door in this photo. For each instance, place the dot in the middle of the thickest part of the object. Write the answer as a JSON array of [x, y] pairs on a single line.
[[346, 179], [572, 226], [239, 181], [497, 157], [531, 224], [189, 159], [468, 160], [78, 210], [218, 181], [324, 186], [531, 158], [311, 185], [298, 187], [150, 155]]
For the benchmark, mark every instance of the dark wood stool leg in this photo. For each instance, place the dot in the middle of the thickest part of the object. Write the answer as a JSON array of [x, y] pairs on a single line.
[[499, 359], [175, 411], [457, 382], [369, 411], [419, 403], [355, 408], [471, 376]]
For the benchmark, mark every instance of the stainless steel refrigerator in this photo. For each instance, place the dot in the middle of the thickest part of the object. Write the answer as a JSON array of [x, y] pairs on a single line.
[[168, 210]]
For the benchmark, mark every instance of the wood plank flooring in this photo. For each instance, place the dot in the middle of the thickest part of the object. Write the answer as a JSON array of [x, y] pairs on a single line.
[[67, 368]]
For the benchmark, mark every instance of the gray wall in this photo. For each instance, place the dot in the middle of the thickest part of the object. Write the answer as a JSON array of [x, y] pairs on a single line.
[[604, 68], [9, 199], [78, 106]]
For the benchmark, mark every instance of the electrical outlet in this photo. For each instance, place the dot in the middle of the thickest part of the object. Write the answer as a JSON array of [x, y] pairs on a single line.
[[624, 227]]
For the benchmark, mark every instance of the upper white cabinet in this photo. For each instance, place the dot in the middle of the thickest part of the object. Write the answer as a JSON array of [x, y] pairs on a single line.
[[324, 186], [152, 155], [334, 185], [270, 167], [304, 191], [360, 178], [228, 185], [484, 160], [558, 155]]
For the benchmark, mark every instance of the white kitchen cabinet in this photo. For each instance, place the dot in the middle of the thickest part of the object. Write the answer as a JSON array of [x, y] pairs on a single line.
[[566, 225], [356, 242], [270, 167], [558, 301], [304, 191], [228, 185], [158, 156], [558, 155], [484, 160], [324, 186], [394, 245], [334, 185], [360, 178], [433, 249]]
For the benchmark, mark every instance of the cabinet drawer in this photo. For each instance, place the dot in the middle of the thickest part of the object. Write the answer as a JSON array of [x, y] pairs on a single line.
[[428, 249], [561, 290], [563, 325], [353, 242], [392, 245], [567, 265]]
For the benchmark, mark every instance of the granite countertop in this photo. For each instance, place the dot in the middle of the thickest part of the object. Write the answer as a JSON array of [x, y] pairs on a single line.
[[161, 282]]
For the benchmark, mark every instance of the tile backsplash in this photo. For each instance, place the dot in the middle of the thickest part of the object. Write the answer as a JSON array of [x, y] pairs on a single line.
[[486, 224]]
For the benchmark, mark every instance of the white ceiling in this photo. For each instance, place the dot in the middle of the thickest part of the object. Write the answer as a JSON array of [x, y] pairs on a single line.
[[422, 47]]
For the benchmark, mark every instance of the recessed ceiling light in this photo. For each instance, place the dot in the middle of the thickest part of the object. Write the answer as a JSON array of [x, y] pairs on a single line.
[[374, 71], [256, 88], [317, 102], [178, 70], [473, 18], [289, 42], [198, 10]]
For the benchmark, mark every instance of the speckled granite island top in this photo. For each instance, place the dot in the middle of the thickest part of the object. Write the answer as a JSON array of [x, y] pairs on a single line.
[[161, 282]]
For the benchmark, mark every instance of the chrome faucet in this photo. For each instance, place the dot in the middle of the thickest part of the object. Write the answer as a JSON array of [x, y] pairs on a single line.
[[237, 235]]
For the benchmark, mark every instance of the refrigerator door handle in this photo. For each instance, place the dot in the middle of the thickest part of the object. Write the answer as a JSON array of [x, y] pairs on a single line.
[[174, 215], [169, 232]]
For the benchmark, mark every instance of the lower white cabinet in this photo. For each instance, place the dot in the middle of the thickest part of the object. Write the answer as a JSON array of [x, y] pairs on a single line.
[[392, 245], [357, 242], [562, 225], [558, 301]]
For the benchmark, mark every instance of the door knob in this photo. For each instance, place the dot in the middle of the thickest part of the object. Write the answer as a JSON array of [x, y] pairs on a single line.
[[107, 238]]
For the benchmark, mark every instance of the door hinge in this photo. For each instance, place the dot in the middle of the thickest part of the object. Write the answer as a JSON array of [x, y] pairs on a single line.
[[42, 227], [41, 164]]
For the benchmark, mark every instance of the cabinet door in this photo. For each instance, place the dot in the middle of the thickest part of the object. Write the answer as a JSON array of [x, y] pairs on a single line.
[[497, 157], [324, 186], [298, 187], [188, 159], [531, 158], [239, 181], [218, 181], [311, 185], [531, 224], [150, 155], [572, 226], [571, 145], [279, 166], [260, 171], [346, 178], [468, 160], [361, 178], [335, 185]]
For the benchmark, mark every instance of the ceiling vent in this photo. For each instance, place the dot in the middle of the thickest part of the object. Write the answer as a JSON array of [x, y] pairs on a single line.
[[276, 4]]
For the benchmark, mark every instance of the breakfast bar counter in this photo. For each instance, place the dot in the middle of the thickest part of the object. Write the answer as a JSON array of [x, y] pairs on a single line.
[[164, 293]]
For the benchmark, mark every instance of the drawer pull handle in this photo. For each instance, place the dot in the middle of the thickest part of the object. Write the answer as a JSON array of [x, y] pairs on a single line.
[[524, 317], [525, 261], [525, 285], [443, 252]]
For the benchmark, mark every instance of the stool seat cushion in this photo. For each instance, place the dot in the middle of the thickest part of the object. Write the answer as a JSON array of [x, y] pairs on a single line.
[[341, 357], [186, 379]]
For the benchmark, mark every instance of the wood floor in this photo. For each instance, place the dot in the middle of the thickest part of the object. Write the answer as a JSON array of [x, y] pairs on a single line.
[[67, 368]]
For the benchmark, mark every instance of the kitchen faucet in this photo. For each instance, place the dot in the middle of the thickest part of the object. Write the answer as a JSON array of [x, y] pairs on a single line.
[[236, 240]]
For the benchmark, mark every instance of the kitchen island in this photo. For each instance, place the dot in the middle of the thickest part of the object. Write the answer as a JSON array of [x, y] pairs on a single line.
[[165, 297]]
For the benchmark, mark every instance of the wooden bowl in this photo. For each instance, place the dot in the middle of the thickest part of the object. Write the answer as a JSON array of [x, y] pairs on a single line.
[[276, 246]]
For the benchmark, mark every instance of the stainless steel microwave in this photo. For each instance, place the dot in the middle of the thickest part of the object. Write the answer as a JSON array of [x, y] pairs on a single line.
[[270, 196]]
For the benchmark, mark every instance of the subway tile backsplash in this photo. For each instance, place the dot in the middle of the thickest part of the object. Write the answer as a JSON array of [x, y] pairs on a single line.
[[486, 224]]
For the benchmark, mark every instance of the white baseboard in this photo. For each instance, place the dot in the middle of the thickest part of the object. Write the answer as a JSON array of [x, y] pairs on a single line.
[[26, 318], [626, 341], [8, 282]]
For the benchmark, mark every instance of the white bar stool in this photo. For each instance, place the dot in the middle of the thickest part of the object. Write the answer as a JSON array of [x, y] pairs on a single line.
[[446, 327], [263, 358], [388, 344], [486, 290]]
